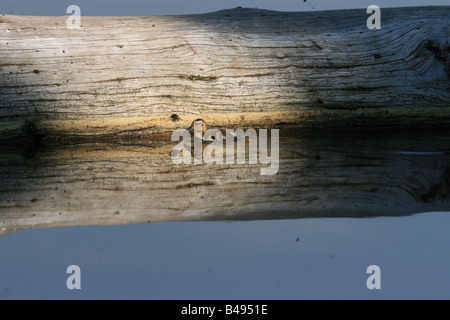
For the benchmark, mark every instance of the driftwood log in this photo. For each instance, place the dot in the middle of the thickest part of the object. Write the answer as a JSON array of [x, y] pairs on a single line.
[[244, 67], [84, 114]]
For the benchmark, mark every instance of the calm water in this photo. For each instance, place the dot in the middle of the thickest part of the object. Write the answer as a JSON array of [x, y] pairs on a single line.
[[158, 7], [271, 256], [315, 257], [309, 258], [275, 259]]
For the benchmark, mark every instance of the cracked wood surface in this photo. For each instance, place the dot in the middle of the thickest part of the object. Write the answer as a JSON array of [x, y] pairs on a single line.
[[84, 115], [232, 67]]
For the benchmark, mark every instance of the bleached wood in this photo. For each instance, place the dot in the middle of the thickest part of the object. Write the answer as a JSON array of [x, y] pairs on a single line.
[[313, 69], [84, 115]]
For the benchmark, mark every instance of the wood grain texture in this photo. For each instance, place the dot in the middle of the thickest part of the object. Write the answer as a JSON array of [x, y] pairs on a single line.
[[85, 115], [232, 67]]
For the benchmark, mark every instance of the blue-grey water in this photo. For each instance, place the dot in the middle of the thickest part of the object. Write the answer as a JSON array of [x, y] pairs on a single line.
[[322, 258], [273, 259], [164, 7]]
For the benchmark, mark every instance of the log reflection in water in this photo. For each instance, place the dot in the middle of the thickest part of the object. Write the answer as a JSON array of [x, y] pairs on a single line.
[[321, 174]]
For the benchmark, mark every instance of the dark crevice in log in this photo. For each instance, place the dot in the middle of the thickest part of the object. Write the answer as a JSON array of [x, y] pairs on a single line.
[[441, 53], [439, 191]]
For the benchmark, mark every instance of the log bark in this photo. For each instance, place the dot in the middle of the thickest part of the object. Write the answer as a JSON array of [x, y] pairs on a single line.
[[243, 67]]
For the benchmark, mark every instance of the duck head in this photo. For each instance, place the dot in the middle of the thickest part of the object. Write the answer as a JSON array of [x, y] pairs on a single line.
[[199, 134], [198, 121]]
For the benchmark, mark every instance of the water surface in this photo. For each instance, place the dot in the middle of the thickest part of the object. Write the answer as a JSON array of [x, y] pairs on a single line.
[[277, 259], [341, 201]]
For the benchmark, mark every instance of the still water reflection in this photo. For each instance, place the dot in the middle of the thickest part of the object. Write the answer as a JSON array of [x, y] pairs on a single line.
[[321, 174], [272, 244]]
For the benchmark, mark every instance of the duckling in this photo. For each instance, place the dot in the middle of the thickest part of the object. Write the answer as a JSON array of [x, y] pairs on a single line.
[[199, 134], [202, 138]]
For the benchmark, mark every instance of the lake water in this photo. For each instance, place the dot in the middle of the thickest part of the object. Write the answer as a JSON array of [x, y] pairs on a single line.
[[157, 7], [281, 237], [344, 210], [275, 259]]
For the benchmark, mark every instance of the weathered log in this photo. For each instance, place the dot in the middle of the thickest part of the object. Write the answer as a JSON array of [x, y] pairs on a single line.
[[243, 67], [83, 113]]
